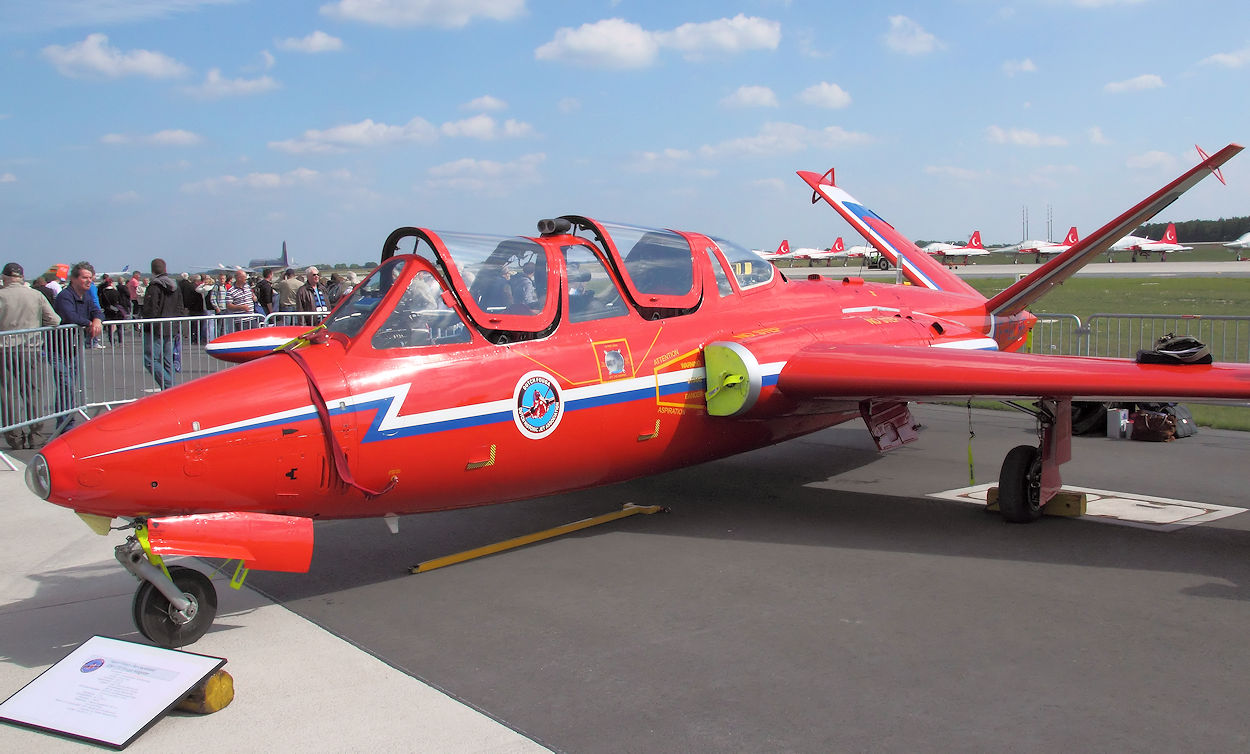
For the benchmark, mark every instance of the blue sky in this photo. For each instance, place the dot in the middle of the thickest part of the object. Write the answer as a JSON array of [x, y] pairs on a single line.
[[210, 131]]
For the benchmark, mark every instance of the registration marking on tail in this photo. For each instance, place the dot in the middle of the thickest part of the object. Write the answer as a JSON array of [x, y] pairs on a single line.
[[1123, 508]]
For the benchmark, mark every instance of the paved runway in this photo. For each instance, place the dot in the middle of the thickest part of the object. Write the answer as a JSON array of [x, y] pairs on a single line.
[[807, 597]]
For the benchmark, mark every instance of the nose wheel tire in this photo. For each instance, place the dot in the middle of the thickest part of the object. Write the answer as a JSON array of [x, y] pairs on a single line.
[[1020, 485], [164, 626]]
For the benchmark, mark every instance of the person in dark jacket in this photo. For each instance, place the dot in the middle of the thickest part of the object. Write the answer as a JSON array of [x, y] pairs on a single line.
[[162, 300], [76, 307]]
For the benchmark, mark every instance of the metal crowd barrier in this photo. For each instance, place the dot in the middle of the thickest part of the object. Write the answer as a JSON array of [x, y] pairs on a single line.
[[51, 377], [1123, 335], [1057, 335]]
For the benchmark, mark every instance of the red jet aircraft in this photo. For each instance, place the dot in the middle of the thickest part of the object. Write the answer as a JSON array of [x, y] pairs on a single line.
[[622, 351]]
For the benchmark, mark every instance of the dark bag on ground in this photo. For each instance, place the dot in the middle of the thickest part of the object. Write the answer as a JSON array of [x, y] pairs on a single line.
[[1176, 349], [1185, 426], [1153, 426]]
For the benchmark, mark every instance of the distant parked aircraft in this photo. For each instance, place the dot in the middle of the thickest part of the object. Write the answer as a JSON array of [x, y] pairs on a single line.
[[1143, 247], [1041, 249], [1239, 245]]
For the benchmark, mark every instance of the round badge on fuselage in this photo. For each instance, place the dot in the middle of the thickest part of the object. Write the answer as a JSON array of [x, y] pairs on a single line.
[[537, 405]]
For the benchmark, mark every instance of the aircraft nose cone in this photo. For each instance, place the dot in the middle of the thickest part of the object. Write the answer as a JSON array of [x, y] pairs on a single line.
[[83, 470], [39, 476]]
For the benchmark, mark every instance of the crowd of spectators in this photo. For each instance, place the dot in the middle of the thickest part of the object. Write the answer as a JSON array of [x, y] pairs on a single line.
[[73, 295]]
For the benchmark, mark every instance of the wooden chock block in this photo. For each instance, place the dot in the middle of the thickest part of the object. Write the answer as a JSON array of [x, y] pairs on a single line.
[[213, 695], [1065, 503]]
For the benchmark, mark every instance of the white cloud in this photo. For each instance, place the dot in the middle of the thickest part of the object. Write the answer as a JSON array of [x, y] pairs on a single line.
[[615, 43], [1152, 160], [751, 96], [486, 176], [783, 138], [658, 162], [259, 181], [95, 57], [174, 137], [215, 86], [1136, 84], [1096, 136], [360, 135], [267, 60], [445, 13], [825, 94], [485, 103], [8, 178], [63, 14], [1234, 59], [1022, 137], [956, 173], [486, 128], [724, 35], [1012, 67], [909, 38], [569, 105], [611, 43], [318, 41]]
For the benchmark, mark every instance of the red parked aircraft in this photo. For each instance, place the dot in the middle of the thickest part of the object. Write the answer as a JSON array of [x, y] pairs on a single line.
[[621, 351]]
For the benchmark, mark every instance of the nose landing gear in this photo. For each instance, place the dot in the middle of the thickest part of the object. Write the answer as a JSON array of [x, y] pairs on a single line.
[[173, 606], [168, 626]]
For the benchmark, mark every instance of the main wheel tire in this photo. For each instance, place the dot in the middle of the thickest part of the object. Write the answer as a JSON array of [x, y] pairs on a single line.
[[164, 626], [883, 264], [1020, 485], [1089, 417]]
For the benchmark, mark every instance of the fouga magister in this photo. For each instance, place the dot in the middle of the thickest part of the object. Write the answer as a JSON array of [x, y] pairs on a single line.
[[622, 351]]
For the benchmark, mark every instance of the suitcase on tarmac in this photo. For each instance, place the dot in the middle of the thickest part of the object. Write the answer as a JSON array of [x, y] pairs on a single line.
[[1153, 426]]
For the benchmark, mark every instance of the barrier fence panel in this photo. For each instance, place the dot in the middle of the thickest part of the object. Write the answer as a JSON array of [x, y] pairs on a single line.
[[1123, 335], [1058, 335]]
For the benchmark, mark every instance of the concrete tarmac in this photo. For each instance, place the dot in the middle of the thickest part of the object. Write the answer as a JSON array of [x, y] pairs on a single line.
[[805, 597]]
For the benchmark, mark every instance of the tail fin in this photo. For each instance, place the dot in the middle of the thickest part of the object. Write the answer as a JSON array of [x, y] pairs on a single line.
[[975, 241], [286, 260], [1023, 293], [1169, 235], [918, 267], [1072, 238], [784, 248], [838, 245]]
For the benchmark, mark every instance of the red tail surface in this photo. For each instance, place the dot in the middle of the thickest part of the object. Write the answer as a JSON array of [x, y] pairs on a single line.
[[1169, 235], [784, 248], [1072, 238], [975, 241], [838, 245]]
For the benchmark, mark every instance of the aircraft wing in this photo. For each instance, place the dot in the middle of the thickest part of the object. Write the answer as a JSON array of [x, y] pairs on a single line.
[[920, 372]]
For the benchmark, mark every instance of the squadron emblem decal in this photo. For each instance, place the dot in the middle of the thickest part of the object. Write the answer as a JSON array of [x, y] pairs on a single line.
[[537, 405]]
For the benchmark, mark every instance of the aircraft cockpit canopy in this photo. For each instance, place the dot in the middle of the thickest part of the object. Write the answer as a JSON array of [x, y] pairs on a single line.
[[657, 266], [502, 282]]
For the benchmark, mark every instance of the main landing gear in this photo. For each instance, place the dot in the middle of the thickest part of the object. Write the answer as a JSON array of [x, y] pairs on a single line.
[[174, 605], [1029, 477]]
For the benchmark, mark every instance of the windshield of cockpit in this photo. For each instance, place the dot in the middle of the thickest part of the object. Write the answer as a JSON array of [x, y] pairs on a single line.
[[351, 315]]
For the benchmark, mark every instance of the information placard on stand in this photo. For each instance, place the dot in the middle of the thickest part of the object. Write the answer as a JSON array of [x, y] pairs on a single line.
[[108, 691]]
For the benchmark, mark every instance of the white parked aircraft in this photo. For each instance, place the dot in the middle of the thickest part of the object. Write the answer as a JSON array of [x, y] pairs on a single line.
[[1241, 244], [1041, 249], [1143, 247], [946, 250], [783, 250]]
